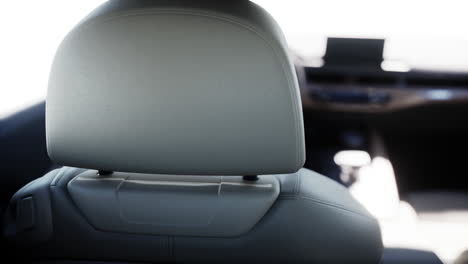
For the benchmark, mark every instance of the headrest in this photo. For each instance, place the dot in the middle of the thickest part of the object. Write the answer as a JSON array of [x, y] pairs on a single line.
[[175, 87]]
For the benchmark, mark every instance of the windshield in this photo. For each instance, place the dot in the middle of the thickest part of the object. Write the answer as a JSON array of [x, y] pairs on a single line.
[[429, 35]]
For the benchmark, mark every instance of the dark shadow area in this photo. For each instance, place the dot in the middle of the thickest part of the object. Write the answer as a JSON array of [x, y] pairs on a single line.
[[23, 155], [429, 161]]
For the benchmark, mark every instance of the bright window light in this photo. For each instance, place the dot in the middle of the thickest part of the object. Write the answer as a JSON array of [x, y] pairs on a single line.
[[31, 32], [425, 34]]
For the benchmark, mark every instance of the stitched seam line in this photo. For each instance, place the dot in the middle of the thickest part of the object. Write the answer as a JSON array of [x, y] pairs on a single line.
[[321, 202], [332, 205]]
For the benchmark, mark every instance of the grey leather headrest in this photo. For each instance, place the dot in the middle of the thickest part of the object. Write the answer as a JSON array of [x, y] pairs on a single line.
[[176, 87]]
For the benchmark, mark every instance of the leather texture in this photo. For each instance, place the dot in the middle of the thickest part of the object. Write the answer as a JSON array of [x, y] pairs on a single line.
[[166, 205], [313, 220], [174, 87]]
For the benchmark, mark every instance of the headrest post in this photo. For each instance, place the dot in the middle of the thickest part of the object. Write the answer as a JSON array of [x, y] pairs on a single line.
[[104, 173], [250, 178]]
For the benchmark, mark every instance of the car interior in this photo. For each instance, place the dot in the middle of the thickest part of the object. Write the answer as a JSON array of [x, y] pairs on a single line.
[[201, 131]]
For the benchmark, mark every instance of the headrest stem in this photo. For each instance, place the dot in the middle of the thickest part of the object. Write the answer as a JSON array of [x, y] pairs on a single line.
[[104, 173], [250, 178]]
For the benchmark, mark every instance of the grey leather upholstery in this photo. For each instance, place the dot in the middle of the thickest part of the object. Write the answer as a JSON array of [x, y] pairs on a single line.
[[313, 220], [168, 205], [165, 88], [207, 91]]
